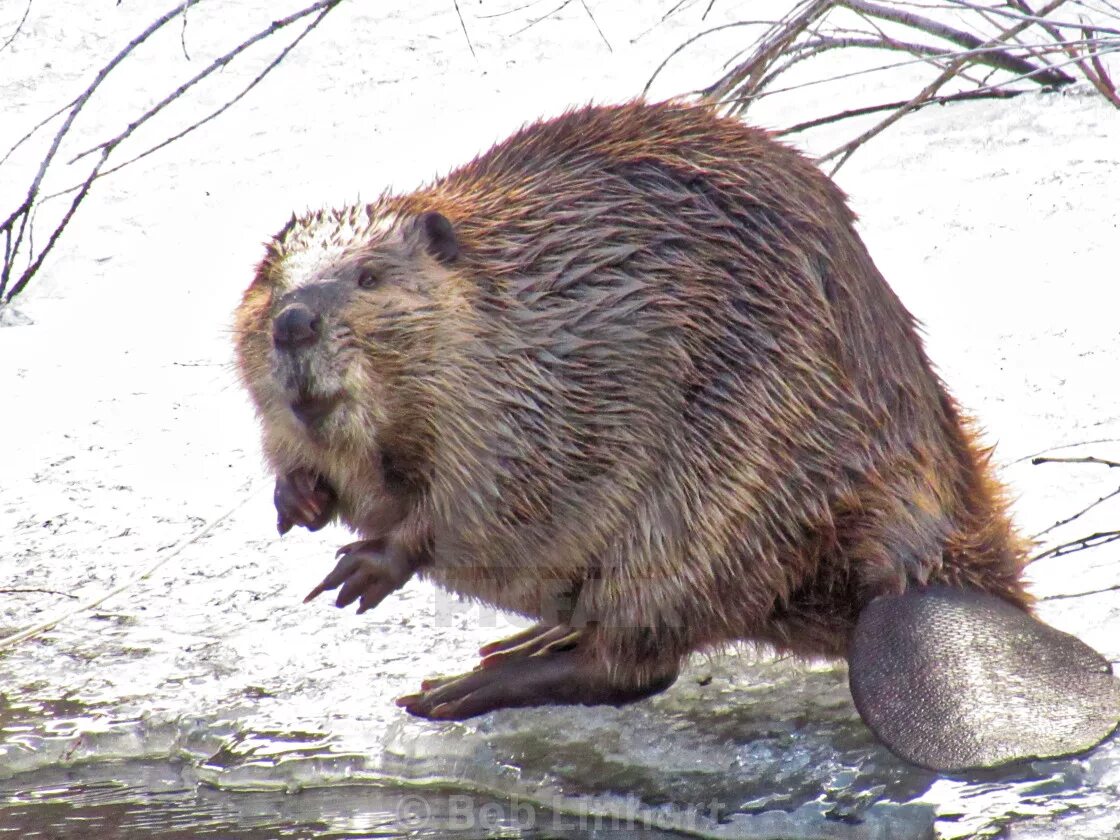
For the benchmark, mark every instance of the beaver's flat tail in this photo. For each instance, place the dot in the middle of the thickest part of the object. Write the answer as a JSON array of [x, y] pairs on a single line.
[[956, 679]]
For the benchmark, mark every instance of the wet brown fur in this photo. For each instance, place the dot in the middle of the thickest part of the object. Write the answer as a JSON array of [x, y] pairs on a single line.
[[663, 377]]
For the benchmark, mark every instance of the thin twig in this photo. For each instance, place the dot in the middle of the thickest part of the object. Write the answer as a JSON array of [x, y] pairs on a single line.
[[514, 10], [815, 47], [183, 545], [673, 10], [463, 24], [772, 45], [1073, 546], [597, 29], [1079, 594], [534, 22], [1091, 70], [34, 129], [183, 36], [19, 27], [681, 47], [32, 590], [963, 96], [1077, 515]]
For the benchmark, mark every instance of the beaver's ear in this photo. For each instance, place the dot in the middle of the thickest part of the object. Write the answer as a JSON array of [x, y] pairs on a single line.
[[954, 679], [438, 236]]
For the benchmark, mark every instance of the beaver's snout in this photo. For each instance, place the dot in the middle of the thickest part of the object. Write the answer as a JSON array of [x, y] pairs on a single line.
[[296, 326], [304, 359], [312, 409]]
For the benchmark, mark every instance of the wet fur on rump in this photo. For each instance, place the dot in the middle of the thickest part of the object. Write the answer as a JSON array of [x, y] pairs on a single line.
[[660, 389]]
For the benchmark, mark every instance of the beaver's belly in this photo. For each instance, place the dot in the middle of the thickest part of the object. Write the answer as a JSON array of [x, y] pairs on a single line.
[[513, 589]]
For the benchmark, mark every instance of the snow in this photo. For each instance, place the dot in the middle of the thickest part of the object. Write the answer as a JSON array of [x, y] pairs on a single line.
[[125, 431]]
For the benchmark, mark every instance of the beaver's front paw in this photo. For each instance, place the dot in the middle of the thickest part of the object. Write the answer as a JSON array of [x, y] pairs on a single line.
[[368, 570], [303, 497]]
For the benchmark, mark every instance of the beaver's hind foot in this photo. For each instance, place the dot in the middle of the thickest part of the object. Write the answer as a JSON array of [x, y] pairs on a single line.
[[566, 677], [538, 640]]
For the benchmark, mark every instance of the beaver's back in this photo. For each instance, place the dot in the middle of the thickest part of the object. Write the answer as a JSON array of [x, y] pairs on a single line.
[[694, 372]]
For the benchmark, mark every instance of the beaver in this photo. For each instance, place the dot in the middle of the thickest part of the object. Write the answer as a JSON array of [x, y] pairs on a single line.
[[633, 374]]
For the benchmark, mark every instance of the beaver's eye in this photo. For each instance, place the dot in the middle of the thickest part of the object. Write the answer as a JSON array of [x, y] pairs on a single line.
[[368, 278]]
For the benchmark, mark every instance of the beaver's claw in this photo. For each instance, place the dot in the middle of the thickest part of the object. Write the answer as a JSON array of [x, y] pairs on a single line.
[[367, 570], [303, 497]]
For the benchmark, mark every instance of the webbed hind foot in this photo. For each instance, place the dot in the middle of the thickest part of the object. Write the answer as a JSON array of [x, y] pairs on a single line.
[[567, 677], [535, 641]]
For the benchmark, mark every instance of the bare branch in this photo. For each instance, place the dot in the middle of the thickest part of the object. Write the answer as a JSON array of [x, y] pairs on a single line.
[[324, 7], [883, 67], [996, 58], [1027, 46], [83, 190], [772, 45], [1100, 78], [1088, 459], [843, 152], [1073, 445], [18, 224], [21, 212], [1040, 16]]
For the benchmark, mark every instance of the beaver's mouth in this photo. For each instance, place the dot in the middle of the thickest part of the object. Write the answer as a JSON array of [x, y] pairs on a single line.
[[312, 410]]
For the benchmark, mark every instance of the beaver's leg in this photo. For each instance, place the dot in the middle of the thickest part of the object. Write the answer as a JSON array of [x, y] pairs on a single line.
[[955, 679], [566, 677], [367, 571], [303, 497]]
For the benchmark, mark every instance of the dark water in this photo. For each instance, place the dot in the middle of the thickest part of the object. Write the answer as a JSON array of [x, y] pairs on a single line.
[[120, 800]]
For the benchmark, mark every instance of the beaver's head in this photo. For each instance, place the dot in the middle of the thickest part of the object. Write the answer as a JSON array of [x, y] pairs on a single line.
[[336, 333]]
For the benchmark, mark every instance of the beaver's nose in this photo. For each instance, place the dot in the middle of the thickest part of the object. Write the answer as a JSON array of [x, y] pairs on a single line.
[[295, 326]]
